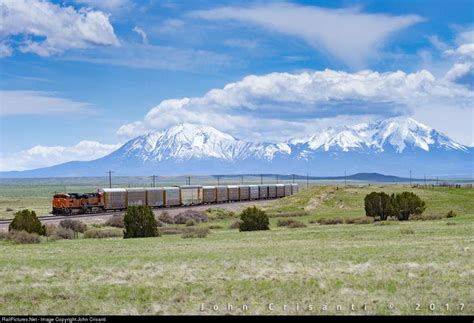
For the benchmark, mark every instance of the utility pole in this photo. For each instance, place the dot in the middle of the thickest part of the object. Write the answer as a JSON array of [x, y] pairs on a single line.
[[424, 179], [307, 180], [110, 178], [153, 180], [241, 179], [261, 179], [293, 178], [345, 178], [277, 178], [189, 180], [218, 180], [410, 177]]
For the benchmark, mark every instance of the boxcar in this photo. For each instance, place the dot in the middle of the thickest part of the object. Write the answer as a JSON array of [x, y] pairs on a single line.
[[253, 192], [191, 195], [272, 191], [294, 188], [263, 191], [244, 192], [209, 194], [233, 192], [221, 194], [115, 198], [287, 191], [136, 196], [172, 196], [155, 196], [280, 188]]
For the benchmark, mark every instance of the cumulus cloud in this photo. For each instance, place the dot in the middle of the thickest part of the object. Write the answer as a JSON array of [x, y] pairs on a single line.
[[49, 29], [348, 34], [278, 104], [44, 156], [38, 103], [462, 72]]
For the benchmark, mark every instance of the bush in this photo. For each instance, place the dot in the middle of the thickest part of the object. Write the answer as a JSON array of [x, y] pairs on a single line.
[[183, 217], [49, 229], [9, 209], [195, 233], [407, 231], [3, 235], [359, 220], [451, 214], [23, 237], [74, 225], [95, 233], [63, 233], [330, 221], [215, 227], [140, 222], [165, 217], [296, 224], [219, 214], [115, 221], [408, 203], [169, 231], [379, 204], [236, 224], [450, 223], [190, 223], [253, 219], [26, 220], [288, 214]]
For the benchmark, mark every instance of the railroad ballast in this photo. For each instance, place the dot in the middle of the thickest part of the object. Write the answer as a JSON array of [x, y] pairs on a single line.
[[111, 199]]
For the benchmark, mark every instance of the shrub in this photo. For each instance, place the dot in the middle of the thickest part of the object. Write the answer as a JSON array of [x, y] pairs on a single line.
[[215, 227], [364, 220], [296, 224], [165, 217], [49, 229], [169, 231], [74, 225], [95, 233], [63, 233], [407, 231], [253, 219], [236, 224], [407, 204], [23, 237], [447, 223], [140, 222], [26, 220], [183, 217], [330, 221], [312, 221], [451, 214], [115, 221], [9, 209], [3, 235], [195, 233], [190, 223], [219, 214], [379, 204], [288, 214]]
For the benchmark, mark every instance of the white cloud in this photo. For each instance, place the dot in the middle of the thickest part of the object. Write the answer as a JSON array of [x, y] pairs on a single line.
[[50, 29], [44, 156], [280, 104], [350, 35], [142, 33], [38, 103], [241, 43], [110, 5]]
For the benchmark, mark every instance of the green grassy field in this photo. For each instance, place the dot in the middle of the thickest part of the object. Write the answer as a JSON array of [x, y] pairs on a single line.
[[389, 268]]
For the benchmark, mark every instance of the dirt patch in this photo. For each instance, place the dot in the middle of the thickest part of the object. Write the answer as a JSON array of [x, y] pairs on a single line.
[[316, 201]]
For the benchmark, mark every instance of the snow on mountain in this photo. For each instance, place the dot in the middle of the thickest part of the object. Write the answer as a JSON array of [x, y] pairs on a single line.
[[398, 133]]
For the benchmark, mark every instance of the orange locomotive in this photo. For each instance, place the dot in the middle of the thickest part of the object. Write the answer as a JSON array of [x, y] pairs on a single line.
[[69, 203]]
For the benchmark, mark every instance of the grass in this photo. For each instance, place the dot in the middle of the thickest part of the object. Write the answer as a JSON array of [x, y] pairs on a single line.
[[404, 263]]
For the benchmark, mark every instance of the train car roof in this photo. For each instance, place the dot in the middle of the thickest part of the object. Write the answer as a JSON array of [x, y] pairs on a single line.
[[169, 188], [113, 190], [209, 187], [135, 189]]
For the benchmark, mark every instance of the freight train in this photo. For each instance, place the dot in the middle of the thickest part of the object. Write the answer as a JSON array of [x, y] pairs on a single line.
[[117, 199]]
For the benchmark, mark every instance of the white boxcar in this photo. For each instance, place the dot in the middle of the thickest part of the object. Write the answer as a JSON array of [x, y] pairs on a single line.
[[294, 188], [222, 194], [263, 191], [233, 191], [272, 191], [244, 192], [253, 192], [209, 194], [287, 189], [136, 196], [155, 196], [191, 195], [172, 197], [115, 198], [280, 190]]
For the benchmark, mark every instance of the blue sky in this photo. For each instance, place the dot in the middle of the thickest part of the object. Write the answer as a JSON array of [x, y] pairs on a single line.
[[84, 76]]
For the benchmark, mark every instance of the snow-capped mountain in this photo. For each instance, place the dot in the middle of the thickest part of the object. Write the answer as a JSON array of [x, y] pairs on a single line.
[[394, 146]]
